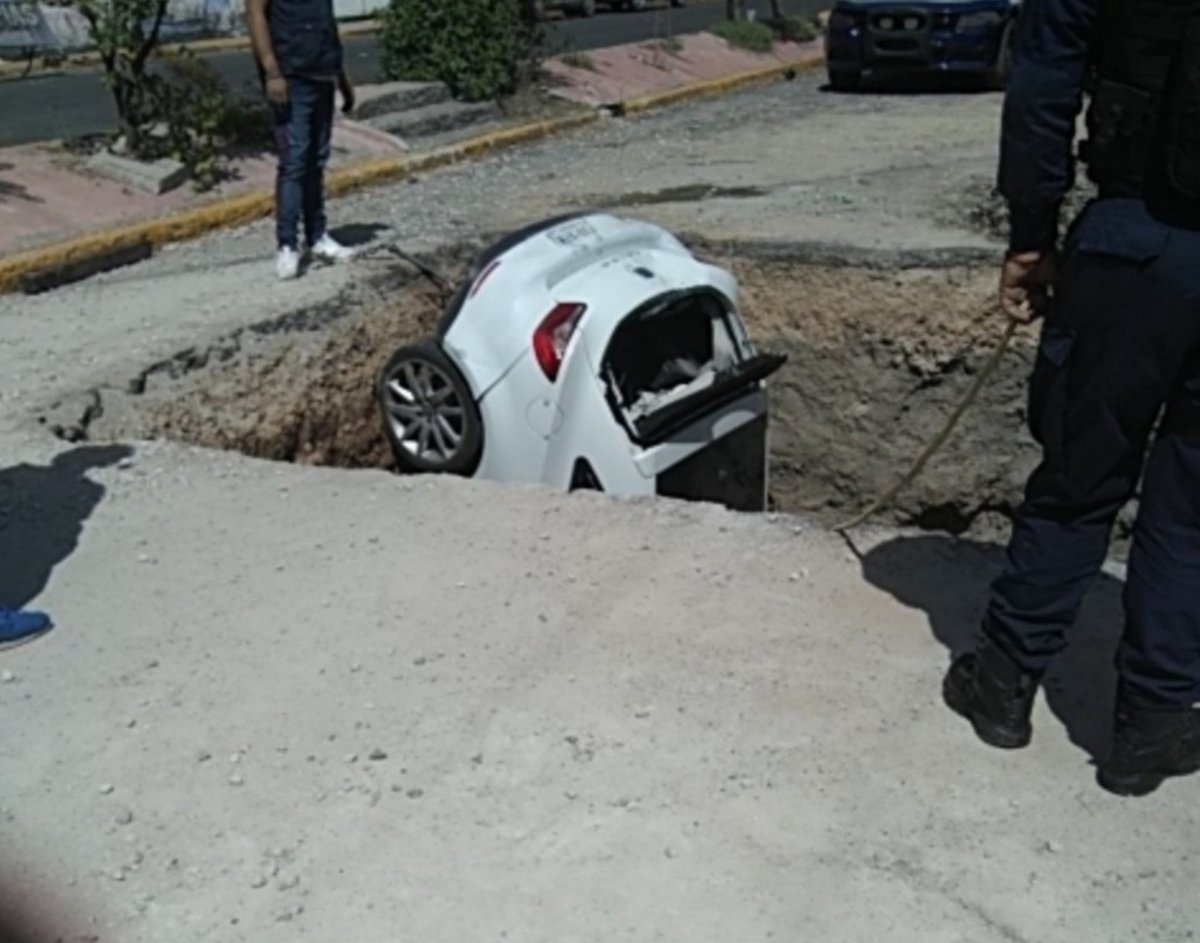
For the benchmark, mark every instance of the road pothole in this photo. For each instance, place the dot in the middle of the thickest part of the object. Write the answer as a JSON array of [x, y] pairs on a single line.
[[881, 349]]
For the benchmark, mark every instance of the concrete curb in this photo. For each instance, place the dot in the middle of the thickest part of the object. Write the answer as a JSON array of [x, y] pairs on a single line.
[[17, 270], [721, 86]]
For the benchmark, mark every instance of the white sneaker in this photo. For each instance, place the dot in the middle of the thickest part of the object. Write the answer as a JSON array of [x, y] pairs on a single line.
[[287, 264], [328, 249]]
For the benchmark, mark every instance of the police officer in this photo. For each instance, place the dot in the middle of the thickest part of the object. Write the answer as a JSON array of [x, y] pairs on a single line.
[[1119, 355]]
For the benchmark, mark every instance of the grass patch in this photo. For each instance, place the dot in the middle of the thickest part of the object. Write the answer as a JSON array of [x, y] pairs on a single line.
[[750, 35], [796, 29], [579, 60]]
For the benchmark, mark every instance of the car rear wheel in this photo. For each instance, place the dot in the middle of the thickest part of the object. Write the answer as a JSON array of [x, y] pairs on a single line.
[[586, 8], [429, 414], [845, 81], [635, 5]]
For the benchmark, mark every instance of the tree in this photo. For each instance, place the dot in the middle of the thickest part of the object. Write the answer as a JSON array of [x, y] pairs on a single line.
[[125, 33]]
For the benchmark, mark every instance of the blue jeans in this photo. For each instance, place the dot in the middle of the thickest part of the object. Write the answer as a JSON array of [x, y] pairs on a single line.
[[303, 127], [1119, 351]]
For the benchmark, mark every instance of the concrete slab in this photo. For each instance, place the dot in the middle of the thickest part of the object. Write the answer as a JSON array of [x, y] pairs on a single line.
[[601, 720], [156, 177], [434, 119], [360, 137], [374, 100]]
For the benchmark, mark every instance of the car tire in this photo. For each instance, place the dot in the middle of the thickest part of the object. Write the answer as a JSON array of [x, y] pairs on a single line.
[[429, 414], [845, 81], [635, 6], [586, 8], [678, 3], [997, 78]]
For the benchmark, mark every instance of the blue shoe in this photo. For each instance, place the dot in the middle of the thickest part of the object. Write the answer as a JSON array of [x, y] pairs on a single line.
[[17, 627]]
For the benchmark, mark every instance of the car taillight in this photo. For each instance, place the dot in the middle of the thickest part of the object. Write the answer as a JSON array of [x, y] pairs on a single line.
[[553, 334]]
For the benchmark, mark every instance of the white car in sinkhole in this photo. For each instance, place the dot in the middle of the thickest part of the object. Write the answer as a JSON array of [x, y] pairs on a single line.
[[588, 351]]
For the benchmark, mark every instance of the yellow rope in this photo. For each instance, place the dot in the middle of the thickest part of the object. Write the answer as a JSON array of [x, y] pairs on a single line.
[[940, 439]]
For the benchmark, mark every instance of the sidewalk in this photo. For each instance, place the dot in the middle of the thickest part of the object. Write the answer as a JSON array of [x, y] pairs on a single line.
[[48, 196], [624, 73]]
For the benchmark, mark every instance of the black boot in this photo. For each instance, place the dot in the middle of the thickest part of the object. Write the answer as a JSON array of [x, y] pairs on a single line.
[[1148, 747], [994, 694]]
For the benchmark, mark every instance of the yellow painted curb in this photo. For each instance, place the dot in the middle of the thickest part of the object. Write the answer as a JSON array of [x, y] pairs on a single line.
[[175, 228], [236, 210], [246, 207], [727, 83]]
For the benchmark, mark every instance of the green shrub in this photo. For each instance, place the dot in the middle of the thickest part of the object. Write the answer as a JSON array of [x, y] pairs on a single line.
[[188, 114], [195, 105], [795, 29], [750, 35], [579, 60], [481, 49], [205, 120]]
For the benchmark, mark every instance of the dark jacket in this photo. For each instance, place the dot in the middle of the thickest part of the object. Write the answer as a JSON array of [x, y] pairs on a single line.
[[304, 36], [1141, 63], [1045, 96]]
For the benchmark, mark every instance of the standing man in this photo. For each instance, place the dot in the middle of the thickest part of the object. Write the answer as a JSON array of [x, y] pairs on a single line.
[[1120, 350], [299, 56]]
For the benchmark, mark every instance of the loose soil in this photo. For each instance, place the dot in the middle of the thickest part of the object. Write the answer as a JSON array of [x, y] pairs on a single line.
[[880, 350]]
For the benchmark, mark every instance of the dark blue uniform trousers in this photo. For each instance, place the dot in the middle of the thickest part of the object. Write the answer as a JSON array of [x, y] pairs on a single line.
[[1118, 365]]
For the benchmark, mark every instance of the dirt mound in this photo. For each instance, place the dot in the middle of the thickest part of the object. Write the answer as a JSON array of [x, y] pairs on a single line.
[[983, 209], [297, 403]]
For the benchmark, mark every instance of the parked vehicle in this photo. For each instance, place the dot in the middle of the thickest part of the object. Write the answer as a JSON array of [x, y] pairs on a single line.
[[588, 351], [537, 9], [886, 37]]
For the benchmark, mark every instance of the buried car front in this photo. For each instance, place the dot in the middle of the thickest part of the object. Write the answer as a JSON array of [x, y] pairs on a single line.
[[880, 37]]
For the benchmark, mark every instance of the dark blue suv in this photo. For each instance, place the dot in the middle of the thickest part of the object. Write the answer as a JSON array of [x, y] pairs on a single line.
[[880, 37]]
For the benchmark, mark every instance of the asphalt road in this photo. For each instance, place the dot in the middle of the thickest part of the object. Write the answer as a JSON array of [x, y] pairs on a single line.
[[68, 104]]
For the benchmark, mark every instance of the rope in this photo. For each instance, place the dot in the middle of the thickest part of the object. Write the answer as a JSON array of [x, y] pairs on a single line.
[[429, 274], [940, 439]]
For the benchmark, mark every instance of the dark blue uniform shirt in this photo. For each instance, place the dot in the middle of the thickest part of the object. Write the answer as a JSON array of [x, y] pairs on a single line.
[[1045, 96]]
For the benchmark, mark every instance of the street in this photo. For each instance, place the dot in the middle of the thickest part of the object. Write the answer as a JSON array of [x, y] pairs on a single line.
[[69, 104]]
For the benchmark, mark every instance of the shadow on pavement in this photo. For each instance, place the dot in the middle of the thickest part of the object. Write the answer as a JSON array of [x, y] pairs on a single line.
[[354, 235], [15, 191], [950, 579], [915, 84], [42, 512]]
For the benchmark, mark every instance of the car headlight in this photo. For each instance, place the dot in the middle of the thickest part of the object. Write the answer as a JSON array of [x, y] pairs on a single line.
[[980, 20]]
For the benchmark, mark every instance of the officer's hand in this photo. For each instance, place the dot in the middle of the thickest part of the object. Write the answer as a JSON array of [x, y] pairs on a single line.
[[1025, 283], [347, 90], [277, 90]]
